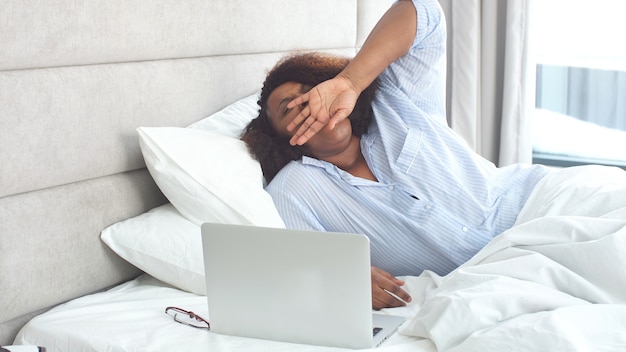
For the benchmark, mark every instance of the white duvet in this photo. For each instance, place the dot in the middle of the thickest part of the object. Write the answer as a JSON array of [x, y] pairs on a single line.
[[556, 281]]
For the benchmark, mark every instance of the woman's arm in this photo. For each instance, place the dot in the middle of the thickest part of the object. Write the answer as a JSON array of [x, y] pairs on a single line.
[[333, 100], [391, 38]]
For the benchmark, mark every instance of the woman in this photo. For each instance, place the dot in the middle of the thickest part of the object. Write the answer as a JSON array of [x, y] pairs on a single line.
[[407, 181]]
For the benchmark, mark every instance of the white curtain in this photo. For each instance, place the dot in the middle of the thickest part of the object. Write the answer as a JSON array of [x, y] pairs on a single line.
[[491, 78]]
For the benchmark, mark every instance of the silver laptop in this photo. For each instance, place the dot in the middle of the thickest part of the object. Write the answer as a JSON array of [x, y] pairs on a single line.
[[294, 286]]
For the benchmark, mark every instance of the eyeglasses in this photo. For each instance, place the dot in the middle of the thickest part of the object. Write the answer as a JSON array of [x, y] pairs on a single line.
[[188, 318]]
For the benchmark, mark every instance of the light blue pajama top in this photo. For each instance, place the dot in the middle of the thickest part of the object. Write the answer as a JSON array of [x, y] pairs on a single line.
[[436, 202]]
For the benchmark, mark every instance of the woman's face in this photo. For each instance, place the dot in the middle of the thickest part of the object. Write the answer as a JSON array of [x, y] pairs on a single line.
[[324, 143]]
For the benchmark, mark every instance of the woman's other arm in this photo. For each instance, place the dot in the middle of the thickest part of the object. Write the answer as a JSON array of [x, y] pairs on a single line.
[[333, 100]]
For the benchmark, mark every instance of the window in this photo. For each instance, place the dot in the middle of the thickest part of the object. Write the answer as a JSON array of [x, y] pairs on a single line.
[[580, 114]]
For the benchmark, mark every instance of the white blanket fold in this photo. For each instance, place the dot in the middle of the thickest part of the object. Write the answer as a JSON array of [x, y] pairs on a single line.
[[555, 281]]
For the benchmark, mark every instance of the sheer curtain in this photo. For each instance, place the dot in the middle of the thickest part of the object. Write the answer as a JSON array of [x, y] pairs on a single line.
[[491, 77]]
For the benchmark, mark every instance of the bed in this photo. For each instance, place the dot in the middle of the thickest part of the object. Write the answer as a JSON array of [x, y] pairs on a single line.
[[112, 111]]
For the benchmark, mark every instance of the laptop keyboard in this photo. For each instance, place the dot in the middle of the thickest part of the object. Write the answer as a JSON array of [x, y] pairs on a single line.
[[376, 331]]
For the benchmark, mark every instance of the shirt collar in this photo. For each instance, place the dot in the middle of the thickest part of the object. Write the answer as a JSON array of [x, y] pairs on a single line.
[[334, 171]]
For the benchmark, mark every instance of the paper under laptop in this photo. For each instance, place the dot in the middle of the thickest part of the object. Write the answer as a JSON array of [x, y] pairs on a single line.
[[294, 286]]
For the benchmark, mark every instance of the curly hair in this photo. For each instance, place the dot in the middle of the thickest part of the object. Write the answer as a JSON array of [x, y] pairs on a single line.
[[272, 150]]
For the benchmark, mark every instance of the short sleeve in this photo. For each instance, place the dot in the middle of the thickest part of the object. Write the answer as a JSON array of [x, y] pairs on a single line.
[[420, 74], [429, 20]]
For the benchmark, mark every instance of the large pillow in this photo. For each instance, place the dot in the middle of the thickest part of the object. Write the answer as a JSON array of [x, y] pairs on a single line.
[[162, 243], [208, 175], [206, 172]]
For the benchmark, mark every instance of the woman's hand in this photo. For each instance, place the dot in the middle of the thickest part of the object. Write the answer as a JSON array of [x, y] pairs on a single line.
[[387, 291], [333, 100], [327, 103]]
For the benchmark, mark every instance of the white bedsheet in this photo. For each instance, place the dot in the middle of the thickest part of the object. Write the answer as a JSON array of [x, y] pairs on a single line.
[[556, 281], [130, 317]]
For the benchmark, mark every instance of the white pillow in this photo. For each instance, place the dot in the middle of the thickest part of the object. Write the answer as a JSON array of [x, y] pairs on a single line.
[[233, 119], [162, 243], [207, 176]]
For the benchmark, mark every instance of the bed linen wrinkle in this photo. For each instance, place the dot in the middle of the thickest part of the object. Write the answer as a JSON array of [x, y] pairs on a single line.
[[546, 279]]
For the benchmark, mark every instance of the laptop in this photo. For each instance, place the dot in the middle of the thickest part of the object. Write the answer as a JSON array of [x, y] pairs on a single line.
[[295, 286]]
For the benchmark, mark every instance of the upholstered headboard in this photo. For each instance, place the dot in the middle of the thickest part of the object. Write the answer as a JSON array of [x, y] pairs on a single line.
[[78, 78]]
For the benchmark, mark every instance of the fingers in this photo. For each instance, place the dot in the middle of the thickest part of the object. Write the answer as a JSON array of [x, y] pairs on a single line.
[[310, 125], [308, 129], [387, 291], [309, 122], [382, 298], [304, 114], [338, 116], [304, 98], [399, 294], [314, 115]]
